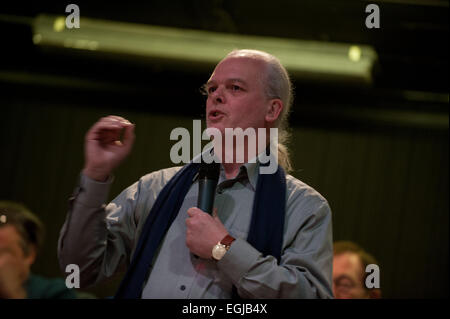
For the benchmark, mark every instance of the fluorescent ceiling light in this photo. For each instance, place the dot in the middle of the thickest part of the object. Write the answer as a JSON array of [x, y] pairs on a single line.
[[311, 60]]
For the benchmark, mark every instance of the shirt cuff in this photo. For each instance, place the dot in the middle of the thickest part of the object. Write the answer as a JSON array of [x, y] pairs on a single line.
[[92, 193], [238, 260]]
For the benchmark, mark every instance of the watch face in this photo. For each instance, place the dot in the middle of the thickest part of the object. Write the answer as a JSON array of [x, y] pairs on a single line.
[[218, 251]]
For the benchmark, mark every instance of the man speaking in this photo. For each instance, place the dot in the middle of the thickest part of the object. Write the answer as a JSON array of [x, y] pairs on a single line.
[[269, 235]]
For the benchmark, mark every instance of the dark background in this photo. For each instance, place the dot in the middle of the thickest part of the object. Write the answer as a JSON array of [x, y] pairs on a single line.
[[379, 154]]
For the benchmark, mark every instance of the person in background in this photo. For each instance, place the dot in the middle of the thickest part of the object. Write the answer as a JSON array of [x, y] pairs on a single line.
[[349, 264], [21, 237]]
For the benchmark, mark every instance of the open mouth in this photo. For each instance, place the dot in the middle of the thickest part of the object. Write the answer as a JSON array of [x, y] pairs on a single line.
[[214, 115]]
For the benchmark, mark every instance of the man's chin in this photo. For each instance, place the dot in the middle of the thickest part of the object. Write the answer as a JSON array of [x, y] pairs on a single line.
[[215, 127]]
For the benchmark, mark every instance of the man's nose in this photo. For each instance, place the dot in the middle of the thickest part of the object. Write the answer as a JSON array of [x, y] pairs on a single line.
[[217, 96]]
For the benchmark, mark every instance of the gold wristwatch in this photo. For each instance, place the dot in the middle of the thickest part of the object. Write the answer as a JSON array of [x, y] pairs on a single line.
[[222, 247]]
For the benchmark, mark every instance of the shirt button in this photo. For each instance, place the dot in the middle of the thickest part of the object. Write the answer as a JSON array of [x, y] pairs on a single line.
[[182, 287]]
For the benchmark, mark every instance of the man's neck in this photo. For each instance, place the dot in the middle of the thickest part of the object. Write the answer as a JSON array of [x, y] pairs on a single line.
[[231, 169], [228, 159]]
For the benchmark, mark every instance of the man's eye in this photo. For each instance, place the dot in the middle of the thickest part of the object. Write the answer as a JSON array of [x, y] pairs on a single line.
[[235, 88], [211, 90]]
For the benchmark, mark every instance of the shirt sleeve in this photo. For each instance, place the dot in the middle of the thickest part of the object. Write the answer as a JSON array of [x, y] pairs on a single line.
[[305, 269], [98, 238]]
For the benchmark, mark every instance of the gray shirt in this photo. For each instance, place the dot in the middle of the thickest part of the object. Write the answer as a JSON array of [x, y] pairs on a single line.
[[101, 240]]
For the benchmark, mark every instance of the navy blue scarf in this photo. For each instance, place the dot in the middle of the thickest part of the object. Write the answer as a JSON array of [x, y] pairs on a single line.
[[265, 233]]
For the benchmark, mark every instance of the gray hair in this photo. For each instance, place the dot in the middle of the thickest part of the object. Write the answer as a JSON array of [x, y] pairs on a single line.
[[277, 85]]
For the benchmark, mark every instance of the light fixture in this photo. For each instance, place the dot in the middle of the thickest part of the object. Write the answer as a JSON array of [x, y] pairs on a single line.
[[310, 60]]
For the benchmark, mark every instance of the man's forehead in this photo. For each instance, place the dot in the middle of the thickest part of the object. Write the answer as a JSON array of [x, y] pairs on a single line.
[[212, 81], [347, 261], [238, 69], [9, 233]]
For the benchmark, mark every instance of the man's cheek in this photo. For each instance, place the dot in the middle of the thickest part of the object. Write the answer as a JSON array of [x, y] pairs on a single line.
[[25, 272]]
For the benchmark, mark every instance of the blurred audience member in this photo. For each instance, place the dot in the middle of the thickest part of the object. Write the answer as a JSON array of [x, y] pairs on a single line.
[[349, 275], [21, 237]]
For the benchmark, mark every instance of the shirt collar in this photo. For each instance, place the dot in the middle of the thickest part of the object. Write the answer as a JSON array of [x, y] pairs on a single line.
[[251, 167], [252, 172]]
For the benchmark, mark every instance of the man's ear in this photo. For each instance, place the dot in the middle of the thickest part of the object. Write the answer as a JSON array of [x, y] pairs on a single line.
[[273, 110], [31, 257]]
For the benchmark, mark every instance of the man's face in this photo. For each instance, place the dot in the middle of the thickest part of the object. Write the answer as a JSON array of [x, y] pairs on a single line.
[[348, 277], [236, 96], [14, 264]]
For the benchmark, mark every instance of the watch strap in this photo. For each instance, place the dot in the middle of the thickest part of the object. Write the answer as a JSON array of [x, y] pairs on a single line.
[[227, 240]]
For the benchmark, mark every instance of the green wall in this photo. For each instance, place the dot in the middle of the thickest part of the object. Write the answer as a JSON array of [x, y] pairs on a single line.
[[388, 189]]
